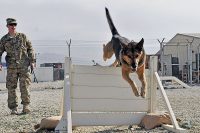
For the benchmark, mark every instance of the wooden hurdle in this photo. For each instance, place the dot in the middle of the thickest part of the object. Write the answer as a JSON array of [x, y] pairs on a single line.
[[98, 96]]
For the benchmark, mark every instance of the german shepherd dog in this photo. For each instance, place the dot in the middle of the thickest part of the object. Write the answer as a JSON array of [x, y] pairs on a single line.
[[129, 55], [108, 52]]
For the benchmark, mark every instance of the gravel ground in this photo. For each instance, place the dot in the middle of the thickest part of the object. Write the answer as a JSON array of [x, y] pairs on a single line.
[[46, 99]]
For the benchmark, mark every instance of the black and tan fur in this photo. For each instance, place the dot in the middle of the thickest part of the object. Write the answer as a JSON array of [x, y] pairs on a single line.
[[129, 55], [108, 53]]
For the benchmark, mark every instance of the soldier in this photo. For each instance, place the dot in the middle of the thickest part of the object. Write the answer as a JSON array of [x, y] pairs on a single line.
[[20, 56]]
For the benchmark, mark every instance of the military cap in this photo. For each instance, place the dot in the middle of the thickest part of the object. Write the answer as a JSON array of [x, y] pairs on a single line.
[[11, 21]]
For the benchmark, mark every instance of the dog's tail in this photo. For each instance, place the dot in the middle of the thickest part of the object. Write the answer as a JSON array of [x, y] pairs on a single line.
[[110, 22]]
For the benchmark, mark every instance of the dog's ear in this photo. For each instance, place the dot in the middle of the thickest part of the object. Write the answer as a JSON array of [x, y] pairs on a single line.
[[139, 45]]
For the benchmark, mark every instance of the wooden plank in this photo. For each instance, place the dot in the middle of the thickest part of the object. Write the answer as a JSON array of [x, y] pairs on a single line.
[[85, 69], [102, 92], [107, 105], [82, 92], [101, 80], [107, 118], [175, 79], [172, 116], [171, 128]]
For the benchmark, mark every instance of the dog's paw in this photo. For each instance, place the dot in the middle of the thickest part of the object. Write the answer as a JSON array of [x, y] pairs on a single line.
[[143, 93], [136, 92], [137, 95]]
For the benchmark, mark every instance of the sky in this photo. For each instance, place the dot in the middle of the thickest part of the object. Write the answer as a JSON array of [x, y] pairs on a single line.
[[49, 23]]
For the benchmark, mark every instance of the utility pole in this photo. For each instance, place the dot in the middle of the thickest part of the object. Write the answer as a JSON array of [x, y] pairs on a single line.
[[36, 57], [69, 44], [190, 59], [161, 55]]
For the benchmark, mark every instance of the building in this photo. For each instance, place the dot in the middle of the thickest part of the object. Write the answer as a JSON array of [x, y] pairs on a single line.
[[180, 57], [54, 65], [58, 70]]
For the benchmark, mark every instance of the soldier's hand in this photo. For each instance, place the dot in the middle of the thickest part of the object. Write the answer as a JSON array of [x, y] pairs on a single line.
[[1, 67], [32, 67]]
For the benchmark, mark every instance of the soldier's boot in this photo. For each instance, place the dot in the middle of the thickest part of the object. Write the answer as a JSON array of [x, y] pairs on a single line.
[[14, 111], [26, 109]]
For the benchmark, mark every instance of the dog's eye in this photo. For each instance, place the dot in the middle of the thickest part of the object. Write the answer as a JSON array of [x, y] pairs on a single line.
[[130, 56], [136, 56]]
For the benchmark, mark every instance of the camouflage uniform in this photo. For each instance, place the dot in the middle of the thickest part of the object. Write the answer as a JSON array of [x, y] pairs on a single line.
[[19, 56]]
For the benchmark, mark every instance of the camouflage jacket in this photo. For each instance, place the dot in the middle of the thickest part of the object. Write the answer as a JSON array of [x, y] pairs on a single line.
[[19, 50]]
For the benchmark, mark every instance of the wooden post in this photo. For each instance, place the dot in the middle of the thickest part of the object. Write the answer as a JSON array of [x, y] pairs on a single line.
[[153, 84], [65, 123], [175, 127]]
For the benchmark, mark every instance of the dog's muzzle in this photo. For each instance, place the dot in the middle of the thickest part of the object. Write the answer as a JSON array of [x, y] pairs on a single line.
[[134, 67]]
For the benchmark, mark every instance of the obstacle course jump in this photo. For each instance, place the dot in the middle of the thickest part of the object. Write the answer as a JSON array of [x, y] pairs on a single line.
[[98, 96]]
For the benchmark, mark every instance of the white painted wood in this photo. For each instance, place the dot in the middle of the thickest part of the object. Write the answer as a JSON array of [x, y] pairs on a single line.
[[106, 118], [84, 69], [101, 80], [93, 92], [152, 84], [98, 96], [172, 116], [107, 105], [62, 125], [68, 95], [105, 70], [66, 121], [171, 128], [175, 79]]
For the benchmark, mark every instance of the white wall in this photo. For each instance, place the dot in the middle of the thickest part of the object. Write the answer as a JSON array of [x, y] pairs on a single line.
[[43, 74]]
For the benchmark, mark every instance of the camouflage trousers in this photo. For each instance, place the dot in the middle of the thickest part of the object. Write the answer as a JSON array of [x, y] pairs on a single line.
[[13, 75]]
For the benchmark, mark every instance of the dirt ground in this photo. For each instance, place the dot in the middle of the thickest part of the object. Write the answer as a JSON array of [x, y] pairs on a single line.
[[46, 101]]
